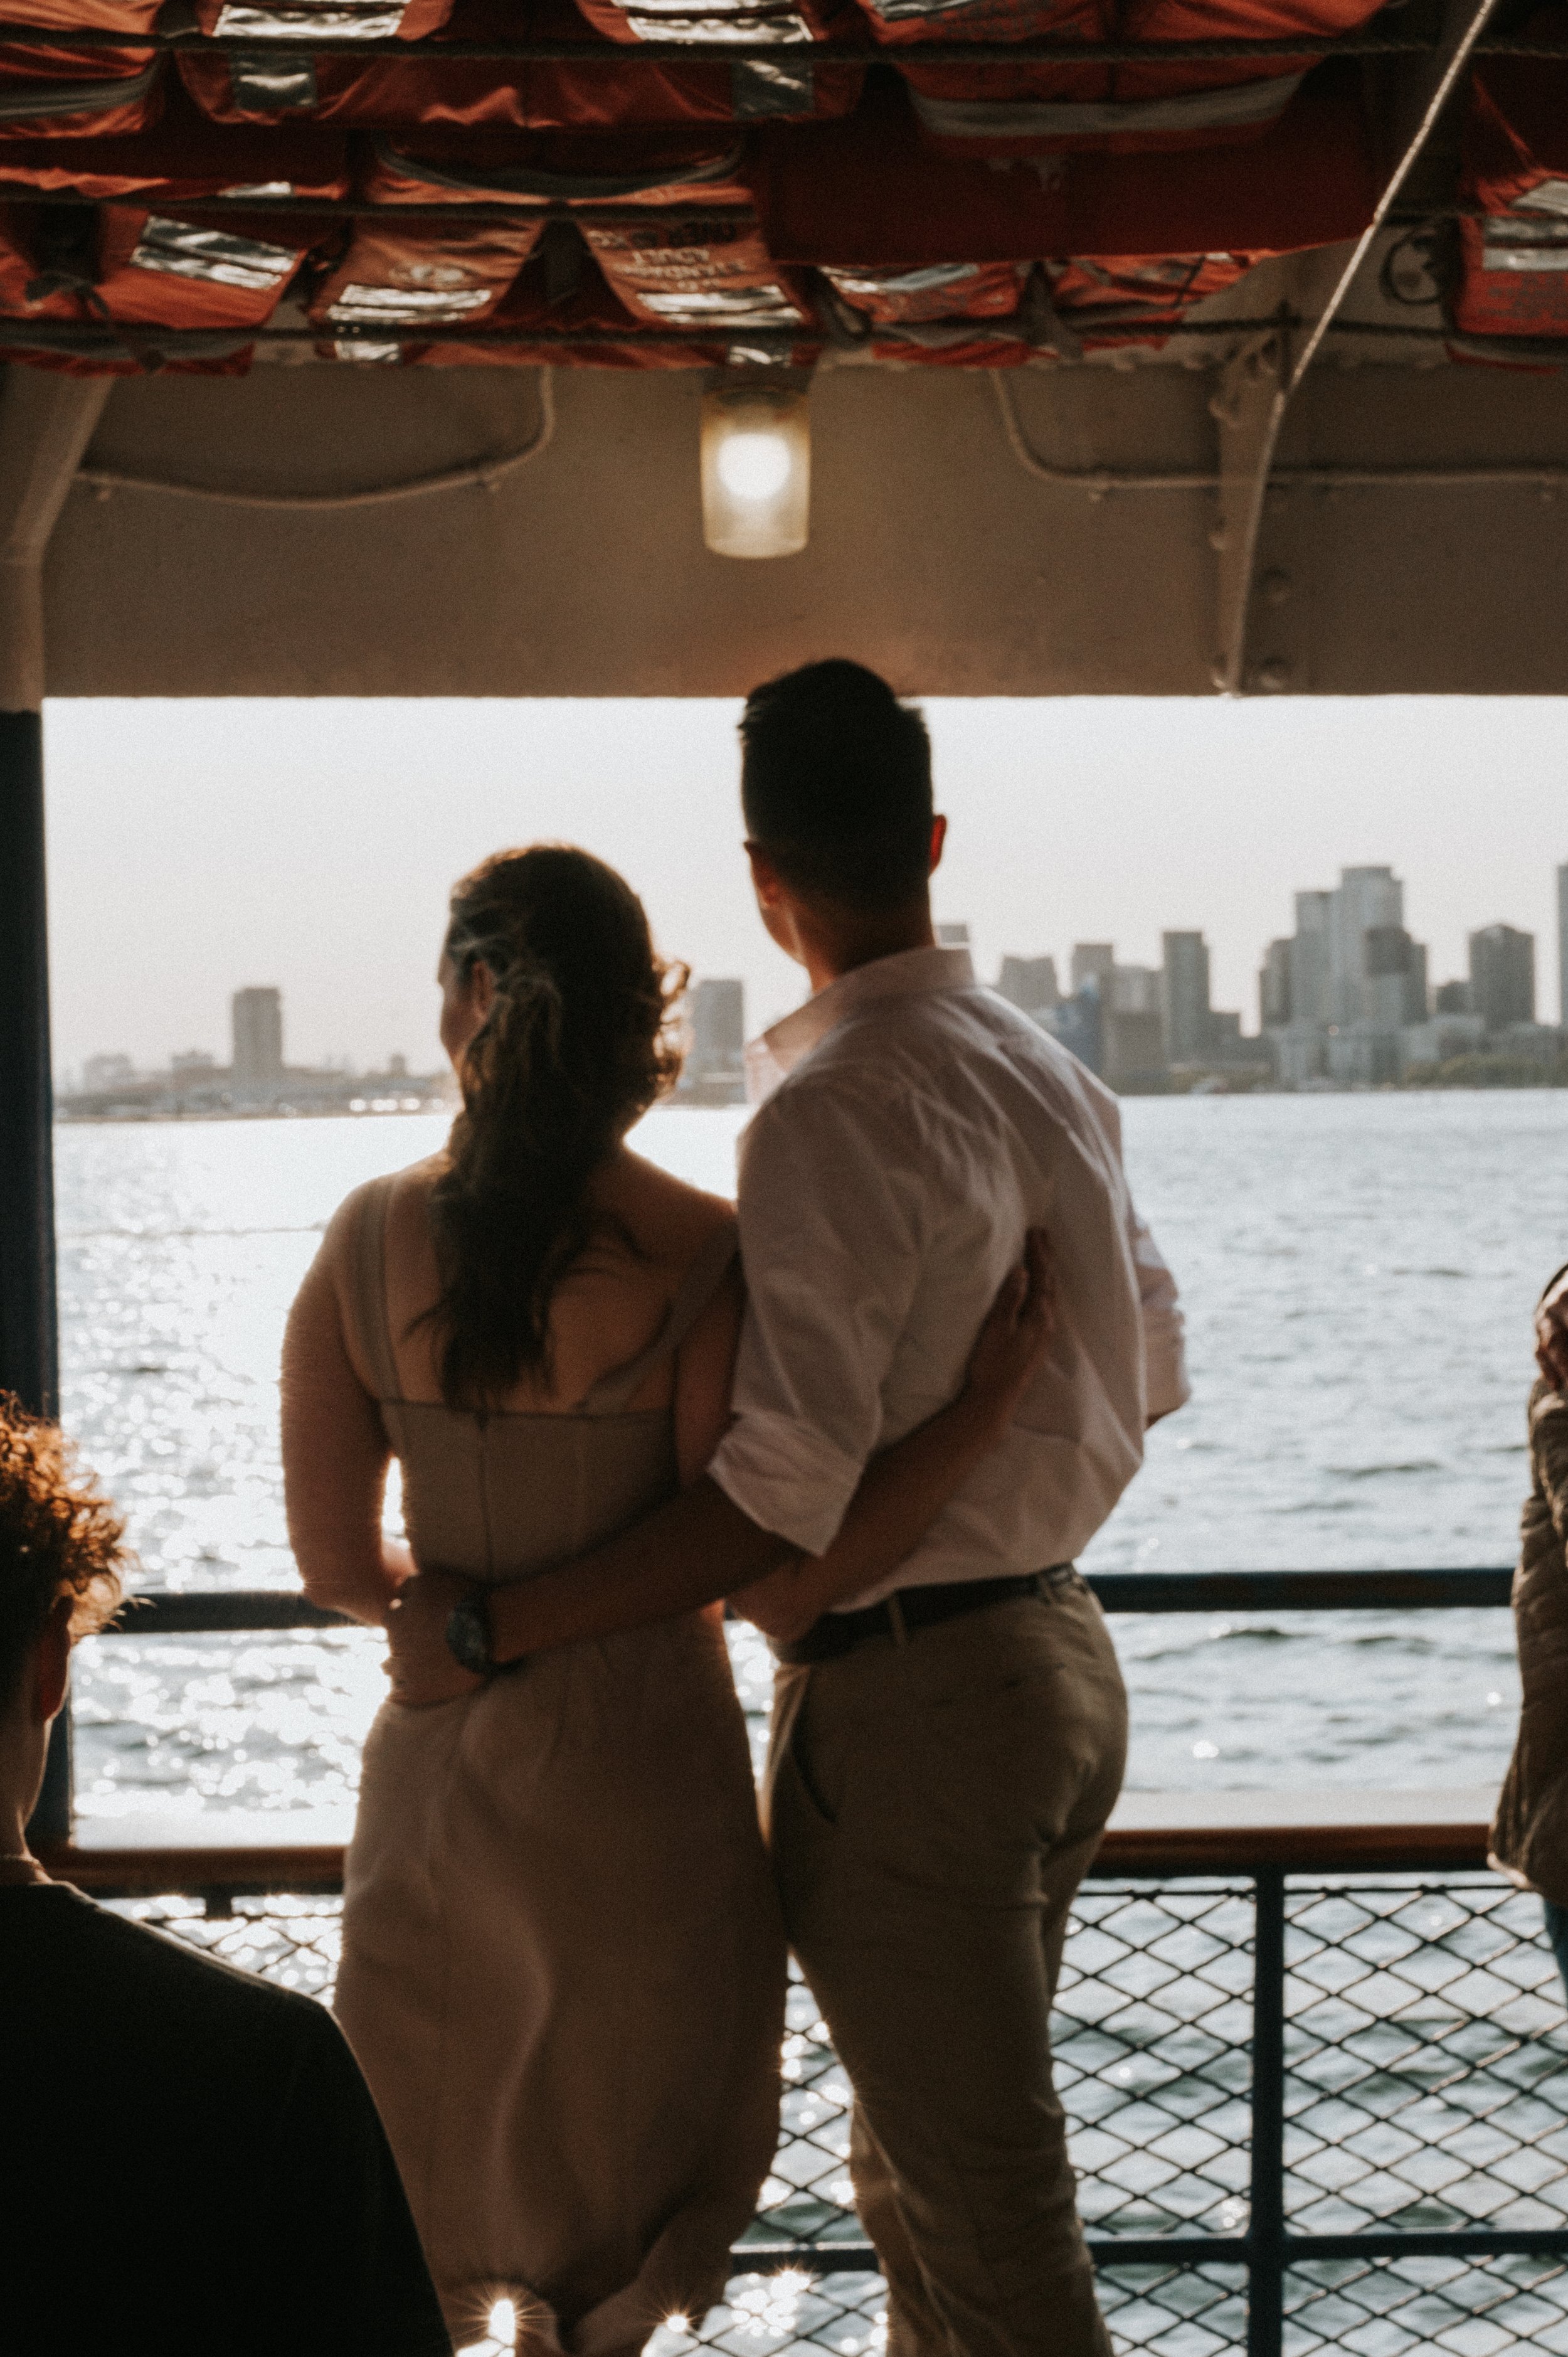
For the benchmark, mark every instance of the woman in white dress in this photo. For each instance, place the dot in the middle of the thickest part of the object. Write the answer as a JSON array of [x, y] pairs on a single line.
[[563, 1963]]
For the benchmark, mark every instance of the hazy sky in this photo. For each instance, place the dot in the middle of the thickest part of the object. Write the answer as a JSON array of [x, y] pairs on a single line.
[[195, 848]]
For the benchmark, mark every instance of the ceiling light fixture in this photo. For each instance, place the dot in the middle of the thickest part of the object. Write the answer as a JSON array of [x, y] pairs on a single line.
[[757, 470]]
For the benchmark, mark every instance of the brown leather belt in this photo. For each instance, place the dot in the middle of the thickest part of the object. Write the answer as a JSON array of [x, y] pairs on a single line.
[[908, 1610]]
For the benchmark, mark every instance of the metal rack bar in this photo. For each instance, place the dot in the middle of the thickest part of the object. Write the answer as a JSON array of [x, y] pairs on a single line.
[[1048, 51], [91, 336]]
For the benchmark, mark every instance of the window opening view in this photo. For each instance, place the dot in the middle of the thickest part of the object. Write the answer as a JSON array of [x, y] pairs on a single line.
[[783, 1250], [1332, 1036]]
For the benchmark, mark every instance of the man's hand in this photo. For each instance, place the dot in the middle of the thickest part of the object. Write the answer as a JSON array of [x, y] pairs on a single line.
[[784, 1605], [1007, 1355], [1551, 1336], [1012, 1343], [419, 1664]]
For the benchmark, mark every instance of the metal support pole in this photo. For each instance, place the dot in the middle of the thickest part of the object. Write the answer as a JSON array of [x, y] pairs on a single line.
[[1266, 2229], [29, 1364], [45, 423], [29, 1350]]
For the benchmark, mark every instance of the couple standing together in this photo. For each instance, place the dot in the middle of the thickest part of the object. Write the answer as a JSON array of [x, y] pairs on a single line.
[[877, 1412]]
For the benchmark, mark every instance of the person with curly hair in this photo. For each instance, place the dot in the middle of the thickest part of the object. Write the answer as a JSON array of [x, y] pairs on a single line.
[[563, 1957], [243, 2194]]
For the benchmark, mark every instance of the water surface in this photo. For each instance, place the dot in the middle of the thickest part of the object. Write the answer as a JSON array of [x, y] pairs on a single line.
[[1357, 1274]]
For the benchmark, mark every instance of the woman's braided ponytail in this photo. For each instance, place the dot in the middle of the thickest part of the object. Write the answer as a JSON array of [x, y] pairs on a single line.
[[577, 1046]]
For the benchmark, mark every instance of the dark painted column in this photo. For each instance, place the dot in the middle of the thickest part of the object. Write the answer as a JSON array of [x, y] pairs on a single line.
[[29, 1363], [45, 423], [29, 1350]]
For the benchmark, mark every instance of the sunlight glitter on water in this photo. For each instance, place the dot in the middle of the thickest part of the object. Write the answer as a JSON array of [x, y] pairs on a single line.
[[1340, 1418]]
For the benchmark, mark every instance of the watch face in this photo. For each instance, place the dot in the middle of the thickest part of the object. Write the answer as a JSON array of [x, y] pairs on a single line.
[[469, 1637]]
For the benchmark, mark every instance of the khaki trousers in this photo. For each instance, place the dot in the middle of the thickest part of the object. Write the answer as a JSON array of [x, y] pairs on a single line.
[[933, 1806]]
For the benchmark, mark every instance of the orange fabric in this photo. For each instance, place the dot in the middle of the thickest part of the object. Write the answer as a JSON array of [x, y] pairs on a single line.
[[657, 166], [183, 159], [473, 94], [952, 290], [1309, 180], [1121, 86], [85, 15], [791, 22], [697, 271], [1513, 266], [402, 277], [120, 89], [416, 18]]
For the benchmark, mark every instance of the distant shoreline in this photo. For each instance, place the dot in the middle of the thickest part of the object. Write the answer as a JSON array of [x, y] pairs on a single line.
[[64, 1119]]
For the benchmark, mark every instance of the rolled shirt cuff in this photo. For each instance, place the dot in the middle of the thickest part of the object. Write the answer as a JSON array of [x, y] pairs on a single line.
[[786, 1478], [1166, 1376]]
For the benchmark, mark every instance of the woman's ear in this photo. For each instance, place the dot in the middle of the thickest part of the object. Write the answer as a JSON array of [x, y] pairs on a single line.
[[53, 1666]]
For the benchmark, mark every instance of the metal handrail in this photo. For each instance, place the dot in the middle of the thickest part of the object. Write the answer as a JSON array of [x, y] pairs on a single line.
[[1268, 2248], [206, 1611]]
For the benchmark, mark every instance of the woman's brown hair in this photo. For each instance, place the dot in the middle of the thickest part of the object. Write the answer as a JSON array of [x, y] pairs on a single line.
[[577, 1044]]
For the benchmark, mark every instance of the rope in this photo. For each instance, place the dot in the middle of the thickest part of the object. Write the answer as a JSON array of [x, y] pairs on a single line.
[[485, 475]]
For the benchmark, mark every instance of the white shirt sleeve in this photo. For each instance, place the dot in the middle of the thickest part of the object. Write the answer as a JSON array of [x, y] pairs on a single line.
[[832, 1240], [1164, 1351]]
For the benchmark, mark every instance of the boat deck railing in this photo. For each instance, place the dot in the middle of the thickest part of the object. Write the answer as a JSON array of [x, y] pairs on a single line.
[[1313, 2052]]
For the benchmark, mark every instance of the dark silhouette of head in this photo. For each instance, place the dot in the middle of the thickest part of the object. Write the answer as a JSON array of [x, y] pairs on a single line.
[[836, 786]]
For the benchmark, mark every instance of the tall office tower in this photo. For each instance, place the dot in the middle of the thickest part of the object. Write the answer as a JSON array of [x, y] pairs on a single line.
[[257, 1020], [716, 1006], [1502, 976], [952, 937], [1394, 985], [1274, 986], [1134, 989], [1184, 993], [1029, 984], [1563, 946], [1094, 962], [1309, 960], [1418, 986], [1367, 896]]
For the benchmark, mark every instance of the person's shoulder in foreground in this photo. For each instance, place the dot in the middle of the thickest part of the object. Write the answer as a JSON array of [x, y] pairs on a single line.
[[191, 2159]]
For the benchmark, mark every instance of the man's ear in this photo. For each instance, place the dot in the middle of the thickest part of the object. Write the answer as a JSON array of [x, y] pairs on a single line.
[[53, 1666], [939, 838], [767, 882]]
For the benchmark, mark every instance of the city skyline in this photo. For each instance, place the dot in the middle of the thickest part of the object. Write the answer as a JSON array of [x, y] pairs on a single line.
[[324, 862]]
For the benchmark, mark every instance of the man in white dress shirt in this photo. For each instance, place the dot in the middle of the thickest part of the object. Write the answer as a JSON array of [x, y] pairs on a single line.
[[946, 1748]]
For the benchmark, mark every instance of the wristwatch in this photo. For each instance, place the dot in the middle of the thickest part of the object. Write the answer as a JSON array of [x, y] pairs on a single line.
[[470, 1640]]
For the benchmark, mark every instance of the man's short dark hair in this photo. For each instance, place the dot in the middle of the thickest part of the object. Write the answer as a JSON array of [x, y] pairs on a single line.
[[835, 784]]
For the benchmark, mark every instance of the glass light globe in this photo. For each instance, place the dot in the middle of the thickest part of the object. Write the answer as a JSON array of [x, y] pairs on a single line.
[[754, 465]]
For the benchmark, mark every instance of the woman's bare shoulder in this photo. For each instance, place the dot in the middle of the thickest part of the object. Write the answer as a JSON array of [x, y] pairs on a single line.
[[407, 1188], [671, 1221]]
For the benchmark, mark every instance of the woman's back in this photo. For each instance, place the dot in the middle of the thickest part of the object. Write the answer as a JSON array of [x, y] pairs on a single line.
[[557, 1465]]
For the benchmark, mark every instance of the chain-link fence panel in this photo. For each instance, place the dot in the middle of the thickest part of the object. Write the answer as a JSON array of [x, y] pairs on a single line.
[[1464, 2307], [1426, 2089], [1427, 2060]]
